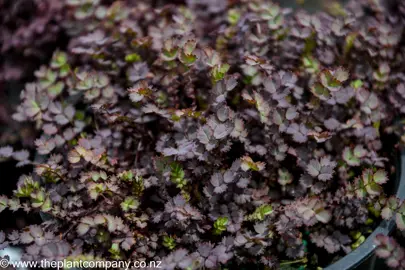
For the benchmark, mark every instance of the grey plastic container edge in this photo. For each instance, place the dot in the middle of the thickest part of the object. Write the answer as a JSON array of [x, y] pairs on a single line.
[[366, 250]]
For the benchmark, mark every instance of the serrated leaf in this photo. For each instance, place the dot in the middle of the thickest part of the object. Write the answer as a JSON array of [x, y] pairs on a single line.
[[277, 118], [189, 46], [323, 216], [320, 91], [387, 213], [6, 151], [229, 176], [130, 203], [247, 163], [350, 158], [3, 203], [223, 113], [373, 189], [204, 134], [359, 151], [367, 176], [341, 74], [291, 113], [32, 108], [221, 131], [314, 167], [380, 177], [82, 228], [218, 72], [187, 59], [56, 89], [169, 55], [329, 81], [74, 157], [284, 177]]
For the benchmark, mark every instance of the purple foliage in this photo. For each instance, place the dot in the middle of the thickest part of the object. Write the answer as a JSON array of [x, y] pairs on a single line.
[[164, 135]]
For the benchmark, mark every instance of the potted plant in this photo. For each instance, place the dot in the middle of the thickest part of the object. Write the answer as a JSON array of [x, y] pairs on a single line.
[[214, 135]]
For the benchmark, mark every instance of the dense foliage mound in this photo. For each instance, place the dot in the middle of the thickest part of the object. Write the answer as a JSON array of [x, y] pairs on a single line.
[[210, 134]]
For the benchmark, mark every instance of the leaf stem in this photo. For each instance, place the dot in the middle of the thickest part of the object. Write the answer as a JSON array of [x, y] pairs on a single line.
[[304, 260]]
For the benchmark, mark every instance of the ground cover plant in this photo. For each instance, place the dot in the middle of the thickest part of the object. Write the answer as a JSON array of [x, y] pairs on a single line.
[[208, 135]]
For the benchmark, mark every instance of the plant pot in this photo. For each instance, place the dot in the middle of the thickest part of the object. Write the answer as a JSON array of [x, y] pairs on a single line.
[[363, 257]]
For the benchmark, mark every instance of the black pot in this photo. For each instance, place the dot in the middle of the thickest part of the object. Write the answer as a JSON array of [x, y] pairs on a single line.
[[363, 257]]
